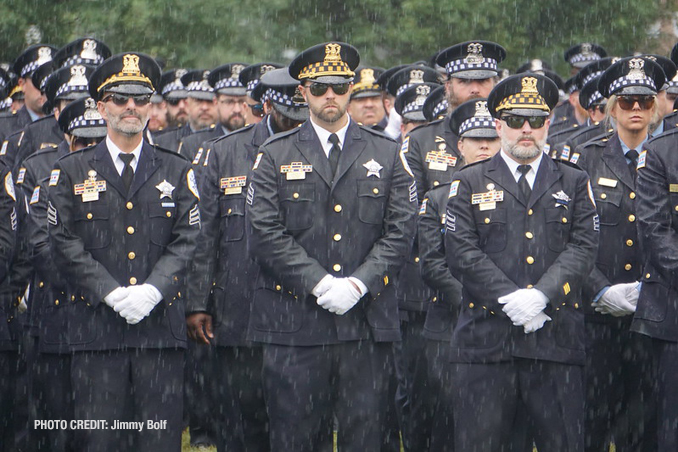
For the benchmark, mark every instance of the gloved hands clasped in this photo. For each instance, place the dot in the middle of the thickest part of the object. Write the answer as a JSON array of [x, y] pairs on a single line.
[[134, 303], [618, 300], [525, 308]]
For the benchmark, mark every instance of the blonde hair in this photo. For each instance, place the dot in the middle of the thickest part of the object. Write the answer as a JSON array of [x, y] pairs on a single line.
[[612, 102]]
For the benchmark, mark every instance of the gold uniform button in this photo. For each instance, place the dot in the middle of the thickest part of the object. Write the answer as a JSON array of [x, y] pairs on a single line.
[[676, 208], [564, 220], [603, 196], [530, 260], [375, 191], [434, 299], [41, 284], [629, 242], [337, 208], [529, 286], [336, 267], [337, 237], [416, 259], [295, 195], [278, 288], [647, 276], [436, 183], [487, 221], [471, 305], [131, 255], [132, 280], [129, 206], [576, 305], [529, 235], [530, 212], [632, 218], [130, 230], [72, 297], [632, 195], [90, 216], [229, 211], [628, 267], [168, 213], [56, 302]]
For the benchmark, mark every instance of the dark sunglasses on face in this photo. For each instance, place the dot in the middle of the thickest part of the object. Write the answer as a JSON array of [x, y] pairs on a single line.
[[257, 109], [121, 99], [319, 89], [173, 102], [599, 107], [516, 122], [628, 102], [81, 142]]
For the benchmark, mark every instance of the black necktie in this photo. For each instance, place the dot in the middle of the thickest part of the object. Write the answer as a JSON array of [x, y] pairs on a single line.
[[334, 152], [127, 171], [523, 185], [633, 156]]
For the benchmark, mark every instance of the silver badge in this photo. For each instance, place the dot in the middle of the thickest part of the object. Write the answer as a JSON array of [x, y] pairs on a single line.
[[373, 168], [166, 189]]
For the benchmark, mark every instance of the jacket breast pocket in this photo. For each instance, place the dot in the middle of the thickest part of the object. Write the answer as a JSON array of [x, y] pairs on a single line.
[[162, 220], [91, 222], [608, 202], [372, 200], [297, 205], [492, 230], [232, 211], [557, 228]]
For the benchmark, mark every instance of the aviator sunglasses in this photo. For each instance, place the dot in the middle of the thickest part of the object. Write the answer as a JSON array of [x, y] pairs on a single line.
[[516, 122], [121, 99], [319, 89], [627, 102]]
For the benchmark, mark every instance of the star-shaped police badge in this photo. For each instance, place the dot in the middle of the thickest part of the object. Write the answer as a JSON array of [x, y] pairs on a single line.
[[166, 189], [373, 168], [562, 200]]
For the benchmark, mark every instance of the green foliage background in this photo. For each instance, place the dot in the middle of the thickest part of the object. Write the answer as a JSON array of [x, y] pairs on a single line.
[[206, 33]]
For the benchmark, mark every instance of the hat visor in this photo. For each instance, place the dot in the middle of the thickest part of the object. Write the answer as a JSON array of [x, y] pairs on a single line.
[[415, 116], [176, 94], [332, 79], [640, 90], [475, 74], [365, 93], [73, 95], [201, 95], [129, 88], [481, 132], [156, 98], [528, 112], [89, 132], [294, 113], [672, 89], [233, 91]]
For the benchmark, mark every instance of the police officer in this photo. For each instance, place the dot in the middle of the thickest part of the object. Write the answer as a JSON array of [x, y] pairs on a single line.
[[410, 106], [331, 208], [436, 105], [521, 237], [366, 106], [123, 222], [250, 78]]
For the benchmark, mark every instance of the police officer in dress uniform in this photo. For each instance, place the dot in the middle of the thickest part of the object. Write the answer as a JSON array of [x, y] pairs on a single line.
[[521, 235], [331, 209], [618, 371], [410, 105], [220, 287], [249, 78], [366, 106], [436, 105], [123, 222]]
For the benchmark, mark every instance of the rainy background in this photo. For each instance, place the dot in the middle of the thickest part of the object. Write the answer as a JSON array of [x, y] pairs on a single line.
[[207, 33]]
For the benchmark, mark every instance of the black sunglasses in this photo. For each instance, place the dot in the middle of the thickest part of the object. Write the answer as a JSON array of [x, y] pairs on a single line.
[[173, 102], [82, 142], [257, 109], [121, 99], [319, 89], [516, 122], [627, 102], [599, 107]]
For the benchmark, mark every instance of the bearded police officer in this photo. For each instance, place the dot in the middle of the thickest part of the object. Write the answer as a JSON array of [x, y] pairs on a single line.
[[123, 222]]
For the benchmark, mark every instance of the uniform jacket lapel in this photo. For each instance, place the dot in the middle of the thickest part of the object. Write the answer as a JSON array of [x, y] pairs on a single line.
[[354, 145], [310, 147], [547, 175], [613, 156], [104, 166], [149, 161], [499, 172]]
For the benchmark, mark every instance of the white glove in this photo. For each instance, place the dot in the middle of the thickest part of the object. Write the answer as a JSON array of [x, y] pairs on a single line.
[[523, 305], [138, 303], [619, 300], [537, 322], [115, 296], [341, 297], [323, 286]]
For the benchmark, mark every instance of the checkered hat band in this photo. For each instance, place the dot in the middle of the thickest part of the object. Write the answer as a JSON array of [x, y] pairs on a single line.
[[174, 86], [476, 122], [524, 100], [412, 106], [199, 86], [6, 103], [623, 82], [358, 87], [65, 89], [595, 98], [30, 67], [403, 88], [227, 83], [672, 83], [80, 123], [580, 58], [591, 77], [440, 108], [326, 68], [77, 59], [462, 65], [279, 98], [251, 85]]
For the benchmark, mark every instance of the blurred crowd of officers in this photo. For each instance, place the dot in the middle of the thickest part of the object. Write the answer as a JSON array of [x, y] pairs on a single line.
[[439, 256]]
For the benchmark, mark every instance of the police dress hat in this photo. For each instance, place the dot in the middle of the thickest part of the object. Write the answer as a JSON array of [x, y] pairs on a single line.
[[41, 74], [225, 79], [582, 54], [171, 86], [668, 66], [411, 75], [589, 95], [331, 63], [523, 95], [472, 119], [251, 75], [125, 73], [32, 58], [82, 51], [197, 84], [628, 76], [472, 59], [68, 83], [385, 76], [593, 70], [436, 105], [365, 82], [410, 102], [81, 118], [281, 90], [535, 66]]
